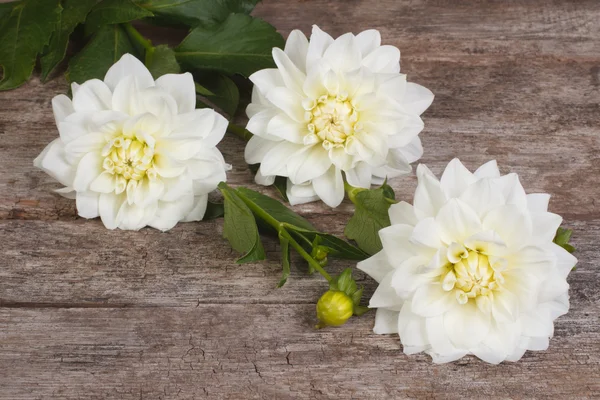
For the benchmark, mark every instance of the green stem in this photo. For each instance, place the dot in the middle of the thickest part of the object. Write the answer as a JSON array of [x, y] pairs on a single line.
[[138, 38], [239, 131], [280, 227], [352, 191]]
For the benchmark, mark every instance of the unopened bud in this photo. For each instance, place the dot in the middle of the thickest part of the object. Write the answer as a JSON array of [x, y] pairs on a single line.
[[319, 253], [334, 308]]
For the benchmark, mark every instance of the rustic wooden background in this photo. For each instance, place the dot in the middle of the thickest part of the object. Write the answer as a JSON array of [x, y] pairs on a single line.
[[97, 314]]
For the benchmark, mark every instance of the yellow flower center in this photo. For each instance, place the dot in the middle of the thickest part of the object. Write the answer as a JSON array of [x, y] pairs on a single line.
[[471, 276], [331, 120], [128, 159]]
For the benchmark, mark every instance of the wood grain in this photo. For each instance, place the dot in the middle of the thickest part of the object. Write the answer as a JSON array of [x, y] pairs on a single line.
[[97, 314]]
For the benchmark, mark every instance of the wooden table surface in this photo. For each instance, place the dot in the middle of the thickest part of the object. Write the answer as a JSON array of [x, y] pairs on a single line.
[[96, 314]]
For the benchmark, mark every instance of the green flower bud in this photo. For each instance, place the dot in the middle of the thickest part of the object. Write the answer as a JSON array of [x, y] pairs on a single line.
[[334, 308], [319, 253]]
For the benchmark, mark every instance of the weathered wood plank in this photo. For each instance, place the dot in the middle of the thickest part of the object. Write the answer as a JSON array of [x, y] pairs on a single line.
[[262, 352], [81, 264], [91, 313]]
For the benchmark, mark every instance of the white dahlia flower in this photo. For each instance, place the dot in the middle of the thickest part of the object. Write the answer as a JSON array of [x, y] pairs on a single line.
[[334, 106], [135, 151], [470, 268]]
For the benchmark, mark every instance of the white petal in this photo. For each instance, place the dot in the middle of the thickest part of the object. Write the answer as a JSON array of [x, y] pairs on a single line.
[[537, 324], [376, 266], [412, 151], [177, 188], [396, 244], [402, 213], [87, 204], [67, 192], [198, 210], [286, 128], [505, 306], [343, 54], [545, 225], [408, 276], [513, 226], [169, 213], [359, 176], [409, 127], [417, 98], [88, 169], [133, 217], [513, 191], [442, 349], [565, 261], [431, 300], [411, 328], [427, 233], [127, 97], [386, 322], [259, 122], [62, 108], [265, 180], [52, 161], [488, 170], [256, 149], [287, 101], [319, 42], [483, 196], [309, 165], [92, 95], [104, 183], [367, 41], [466, 326], [429, 196], [274, 162], [181, 88], [457, 221], [384, 59], [292, 76], [128, 65], [385, 296], [92, 142], [330, 187], [456, 178], [538, 202], [296, 47], [167, 166], [109, 205], [266, 79], [300, 194]]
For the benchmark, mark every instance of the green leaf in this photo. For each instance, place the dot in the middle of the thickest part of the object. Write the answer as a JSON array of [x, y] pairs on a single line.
[[24, 34], [110, 12], [562, 238], [281, 186], [276, 210], [6, 8], [285, 260], [370, 216], [360, 310], [338, 248], [74, 13], [103, 50], [214, 211], [161, 60], [193, 12], [240, 227], [239, 45], [224, 92], [356, 296], [344, 281]]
